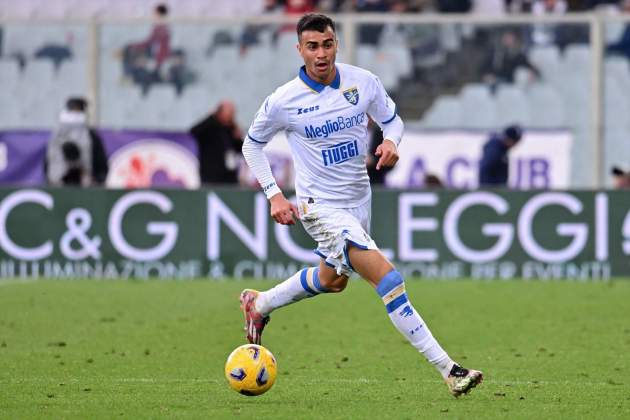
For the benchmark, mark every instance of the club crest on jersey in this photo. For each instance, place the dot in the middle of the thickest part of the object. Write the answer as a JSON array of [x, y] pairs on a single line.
[[351, 95]]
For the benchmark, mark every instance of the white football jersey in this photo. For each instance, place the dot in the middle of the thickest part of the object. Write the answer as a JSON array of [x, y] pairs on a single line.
[[326, 127]]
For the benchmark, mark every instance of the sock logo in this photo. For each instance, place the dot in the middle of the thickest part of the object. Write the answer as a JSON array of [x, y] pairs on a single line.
[[407, 311]]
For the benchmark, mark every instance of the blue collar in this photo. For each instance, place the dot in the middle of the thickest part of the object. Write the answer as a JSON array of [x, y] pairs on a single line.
[[316, 86]]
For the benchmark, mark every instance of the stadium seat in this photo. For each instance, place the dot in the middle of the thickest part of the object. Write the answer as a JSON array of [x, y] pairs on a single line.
[[401, 59], [195, 103], [9, 73], [478, 107], [522, 78], [256, 61], [617, 72], [158, 104], [616, 108], [511, 106], [191, 37], [577, 59], [582, 158], [10, 115], [121, 106], [38, 75], [366, 56], [547, 59], [72, 75], [444, 113], [286, 42], [546, 108]]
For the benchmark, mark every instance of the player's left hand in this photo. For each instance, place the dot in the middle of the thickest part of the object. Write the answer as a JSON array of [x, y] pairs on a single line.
[[387, 153]]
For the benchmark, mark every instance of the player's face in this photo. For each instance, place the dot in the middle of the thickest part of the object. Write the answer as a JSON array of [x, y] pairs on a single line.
[[319, 49]]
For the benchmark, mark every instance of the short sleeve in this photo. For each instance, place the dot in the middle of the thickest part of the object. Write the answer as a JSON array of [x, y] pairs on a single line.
[[382, 108], [268, 121]]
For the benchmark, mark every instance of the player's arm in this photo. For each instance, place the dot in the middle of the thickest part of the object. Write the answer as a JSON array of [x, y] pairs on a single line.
[[383, 110], [266, 123]]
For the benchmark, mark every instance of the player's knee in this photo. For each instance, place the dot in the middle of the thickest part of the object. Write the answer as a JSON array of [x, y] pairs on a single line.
[[334, 285], [392, 289]]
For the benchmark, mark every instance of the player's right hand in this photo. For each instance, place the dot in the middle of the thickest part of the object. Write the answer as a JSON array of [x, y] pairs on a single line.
[[282, 210]]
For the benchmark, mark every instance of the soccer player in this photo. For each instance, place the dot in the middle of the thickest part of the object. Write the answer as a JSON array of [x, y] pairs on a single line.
[[324, 112]]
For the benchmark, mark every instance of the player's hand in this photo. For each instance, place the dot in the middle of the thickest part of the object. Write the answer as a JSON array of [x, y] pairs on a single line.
[[283, 211], [387, 153]]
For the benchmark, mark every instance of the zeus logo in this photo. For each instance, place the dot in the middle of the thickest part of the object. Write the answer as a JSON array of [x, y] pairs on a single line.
[[340, 152], [308, 109]]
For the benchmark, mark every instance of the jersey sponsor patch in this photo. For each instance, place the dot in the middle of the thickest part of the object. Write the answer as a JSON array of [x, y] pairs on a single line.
[[340, 153], [333, 125]]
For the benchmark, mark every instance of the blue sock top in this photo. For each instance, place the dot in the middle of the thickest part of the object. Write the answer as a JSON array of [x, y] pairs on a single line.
[[389, 282]]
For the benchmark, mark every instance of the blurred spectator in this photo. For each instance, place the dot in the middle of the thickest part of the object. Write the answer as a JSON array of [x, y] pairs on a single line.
[[143, 61], [296, 8], [545, 34], [593, 4], [519, 6], [504, 58], [178, 73], [139, 72], [622, 45], [489, 7], [251, 33], [370, 33], [621, 178], [376, 177], [494, 164], [75, 154], [299, 7], [157, 44], [453, 6], [220, 142], [55, 52]]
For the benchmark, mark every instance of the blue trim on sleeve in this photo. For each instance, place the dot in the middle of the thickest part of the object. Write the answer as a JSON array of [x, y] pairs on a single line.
[[392, 118], [396, 303], [389, 282], [257, 141], [305, 284]]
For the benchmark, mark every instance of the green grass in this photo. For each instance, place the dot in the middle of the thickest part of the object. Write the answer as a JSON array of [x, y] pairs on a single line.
[[103, 349]]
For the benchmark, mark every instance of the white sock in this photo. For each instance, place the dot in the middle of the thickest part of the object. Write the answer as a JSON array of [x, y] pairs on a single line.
[[406, 319], [303, 284]]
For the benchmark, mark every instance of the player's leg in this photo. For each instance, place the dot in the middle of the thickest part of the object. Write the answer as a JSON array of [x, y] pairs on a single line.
[[306, 283], [330, 277], [389, 284]]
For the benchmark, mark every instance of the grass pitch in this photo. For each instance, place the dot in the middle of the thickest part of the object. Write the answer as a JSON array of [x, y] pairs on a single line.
[[103, 349]]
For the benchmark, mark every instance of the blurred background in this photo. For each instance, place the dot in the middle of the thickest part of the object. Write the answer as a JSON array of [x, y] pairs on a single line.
[[550, 66]]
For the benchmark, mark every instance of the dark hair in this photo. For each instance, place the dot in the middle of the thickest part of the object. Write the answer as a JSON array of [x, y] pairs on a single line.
[[76, 104], [514, 132], [617, 171], [161, 9], [314, 22], [432, 181]]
